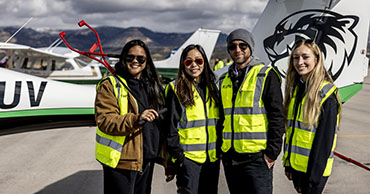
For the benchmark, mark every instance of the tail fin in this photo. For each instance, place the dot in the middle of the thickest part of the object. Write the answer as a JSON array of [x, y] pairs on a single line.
[[339, 27], [204, 37]]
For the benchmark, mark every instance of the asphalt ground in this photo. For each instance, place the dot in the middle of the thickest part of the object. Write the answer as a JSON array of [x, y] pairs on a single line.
[[61, 161]]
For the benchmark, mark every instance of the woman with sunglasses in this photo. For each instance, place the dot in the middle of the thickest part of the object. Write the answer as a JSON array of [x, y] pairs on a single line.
[[127, 149], [313, 109], [192, 101]]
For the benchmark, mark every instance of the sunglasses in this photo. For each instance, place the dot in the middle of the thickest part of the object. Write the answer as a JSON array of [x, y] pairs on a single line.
[[303, 41], [242, 46], [198, 61], [140, 59]]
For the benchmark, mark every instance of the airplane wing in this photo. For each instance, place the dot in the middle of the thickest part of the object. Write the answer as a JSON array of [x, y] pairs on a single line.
[[340, 28], [30, 51]]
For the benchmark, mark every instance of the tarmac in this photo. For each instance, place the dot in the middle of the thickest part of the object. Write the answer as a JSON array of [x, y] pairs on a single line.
[[61, 161]]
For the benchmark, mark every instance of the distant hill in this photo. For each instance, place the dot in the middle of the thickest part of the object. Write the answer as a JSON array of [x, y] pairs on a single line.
[[112, 38]]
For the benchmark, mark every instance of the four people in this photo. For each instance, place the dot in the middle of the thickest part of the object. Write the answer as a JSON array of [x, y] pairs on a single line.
[[241, 121], [193, 104], [126, 149], [253, 118], [312, 109]]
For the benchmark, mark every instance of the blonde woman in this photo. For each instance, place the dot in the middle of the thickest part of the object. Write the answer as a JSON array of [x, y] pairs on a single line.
[[312, 108]]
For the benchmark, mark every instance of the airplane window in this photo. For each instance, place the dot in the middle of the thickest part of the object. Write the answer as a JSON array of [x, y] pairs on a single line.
[[53, 65], [81, 63], [66, 66], [40, 64], [3, 61], [14, 60], [25, 64], [61, 65]]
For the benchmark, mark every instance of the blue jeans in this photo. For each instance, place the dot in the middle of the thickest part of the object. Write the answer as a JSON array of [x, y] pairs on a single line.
[[252, 176]]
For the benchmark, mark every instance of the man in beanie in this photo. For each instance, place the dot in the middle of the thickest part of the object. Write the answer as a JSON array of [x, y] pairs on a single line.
[[253, 118]]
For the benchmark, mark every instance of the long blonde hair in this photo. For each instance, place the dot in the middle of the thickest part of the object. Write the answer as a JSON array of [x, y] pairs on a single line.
[[311, 107]]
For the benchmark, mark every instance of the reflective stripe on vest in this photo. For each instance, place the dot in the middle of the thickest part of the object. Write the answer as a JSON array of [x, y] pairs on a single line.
[[197, 128], [303, 136], [246, 123], [108, 148]]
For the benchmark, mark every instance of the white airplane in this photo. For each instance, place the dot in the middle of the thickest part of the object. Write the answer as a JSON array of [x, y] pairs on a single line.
[[45, 103], [40, 102], [58, 63], [340, 27]]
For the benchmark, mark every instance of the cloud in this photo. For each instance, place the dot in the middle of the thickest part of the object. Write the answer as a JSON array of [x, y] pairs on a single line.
[[159, 15]]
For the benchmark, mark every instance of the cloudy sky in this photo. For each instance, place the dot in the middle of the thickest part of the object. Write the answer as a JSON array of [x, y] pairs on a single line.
[[157, 15]]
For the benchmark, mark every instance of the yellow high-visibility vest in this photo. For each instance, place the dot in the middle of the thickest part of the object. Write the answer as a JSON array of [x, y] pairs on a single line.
[[197, 128], [246, 123], [219, 65], [303, 136], [229, 63], [108, 148]]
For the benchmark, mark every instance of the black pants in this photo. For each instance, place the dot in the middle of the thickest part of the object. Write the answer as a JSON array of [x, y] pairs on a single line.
[[120, 181], [193, 178], [300, 180], [248, 177]]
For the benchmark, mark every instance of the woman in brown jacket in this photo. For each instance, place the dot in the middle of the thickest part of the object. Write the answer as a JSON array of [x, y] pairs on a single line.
[[125, 147]]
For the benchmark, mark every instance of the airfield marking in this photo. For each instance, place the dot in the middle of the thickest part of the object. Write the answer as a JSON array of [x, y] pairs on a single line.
[[354, 136]]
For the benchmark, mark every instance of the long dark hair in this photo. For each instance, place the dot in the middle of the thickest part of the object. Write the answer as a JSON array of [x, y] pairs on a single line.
[[149, 74], [184, 82]]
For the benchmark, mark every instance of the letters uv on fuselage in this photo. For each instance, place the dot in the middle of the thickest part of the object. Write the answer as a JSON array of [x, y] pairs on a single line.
[[23, 95]]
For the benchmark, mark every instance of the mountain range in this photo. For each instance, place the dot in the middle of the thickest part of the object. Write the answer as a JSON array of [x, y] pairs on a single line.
[[112, 38]]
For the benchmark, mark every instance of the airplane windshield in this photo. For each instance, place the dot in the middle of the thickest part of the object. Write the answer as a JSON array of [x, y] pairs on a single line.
[[81, 63]]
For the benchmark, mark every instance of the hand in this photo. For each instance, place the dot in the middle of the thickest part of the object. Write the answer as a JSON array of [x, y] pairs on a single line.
[[148, 115], [289, 175], [269, 161], [170, 177], [170, 171]]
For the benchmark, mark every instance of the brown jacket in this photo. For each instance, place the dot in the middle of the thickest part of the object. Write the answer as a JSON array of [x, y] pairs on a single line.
[[109, 121]]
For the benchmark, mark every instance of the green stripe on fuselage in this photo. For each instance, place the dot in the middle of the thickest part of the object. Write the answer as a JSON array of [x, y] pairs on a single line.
[[347, 92], [47, 112]]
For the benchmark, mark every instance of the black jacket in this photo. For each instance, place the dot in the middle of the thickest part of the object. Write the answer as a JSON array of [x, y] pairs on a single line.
[[273, 101], [151, 130]]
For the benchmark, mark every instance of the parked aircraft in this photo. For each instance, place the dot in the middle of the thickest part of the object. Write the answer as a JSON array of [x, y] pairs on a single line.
[[31, 100], [339, 27], [58, 63], [42, 102]]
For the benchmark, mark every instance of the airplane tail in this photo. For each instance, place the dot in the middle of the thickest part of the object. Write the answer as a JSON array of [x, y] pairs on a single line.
[[204, 37], [340, 28]]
